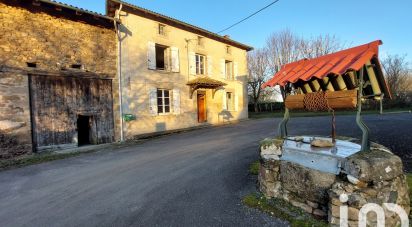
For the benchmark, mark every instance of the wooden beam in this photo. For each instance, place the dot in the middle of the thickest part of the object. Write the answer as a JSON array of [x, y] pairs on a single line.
[[328, 83], [316, 85], [352, 78], [341, 83], [373, 80], [307, 87]]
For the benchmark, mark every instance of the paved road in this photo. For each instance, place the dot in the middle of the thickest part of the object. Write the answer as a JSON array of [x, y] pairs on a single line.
[[191, 179]]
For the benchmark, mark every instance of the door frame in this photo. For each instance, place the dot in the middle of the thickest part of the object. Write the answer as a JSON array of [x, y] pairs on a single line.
[[201, 93]]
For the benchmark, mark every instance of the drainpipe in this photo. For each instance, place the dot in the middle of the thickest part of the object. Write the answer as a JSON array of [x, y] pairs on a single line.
[[119, 69]]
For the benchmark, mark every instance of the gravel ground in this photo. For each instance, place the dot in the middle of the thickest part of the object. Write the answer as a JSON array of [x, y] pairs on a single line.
[[195, 178]]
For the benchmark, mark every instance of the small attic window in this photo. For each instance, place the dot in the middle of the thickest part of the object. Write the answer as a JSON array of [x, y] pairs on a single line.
[[162, 29], [31, 64], [228, 50], [200, 41], [76, 66]]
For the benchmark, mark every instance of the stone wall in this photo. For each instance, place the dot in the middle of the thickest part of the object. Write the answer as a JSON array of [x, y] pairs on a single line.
[[371, 177], [33, 35], [15, 136], [55, 40]]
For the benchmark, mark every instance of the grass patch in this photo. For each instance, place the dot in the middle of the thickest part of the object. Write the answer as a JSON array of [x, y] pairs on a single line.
[[282, 210], [254, 168]]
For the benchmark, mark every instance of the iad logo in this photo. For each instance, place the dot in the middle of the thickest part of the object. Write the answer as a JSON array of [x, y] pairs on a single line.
[[372, 207]]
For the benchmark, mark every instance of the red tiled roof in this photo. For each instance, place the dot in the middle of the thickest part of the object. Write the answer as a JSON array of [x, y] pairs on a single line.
[[336, 64]]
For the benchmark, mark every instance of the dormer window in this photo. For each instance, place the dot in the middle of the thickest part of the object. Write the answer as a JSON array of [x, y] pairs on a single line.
[[162, 29]]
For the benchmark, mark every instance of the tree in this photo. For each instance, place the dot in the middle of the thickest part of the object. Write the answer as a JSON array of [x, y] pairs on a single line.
[[258, 66], [285, 47], [320, 45], [398, 75]]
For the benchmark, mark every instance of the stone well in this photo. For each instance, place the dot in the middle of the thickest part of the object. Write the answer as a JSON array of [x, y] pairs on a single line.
[[364, 177]]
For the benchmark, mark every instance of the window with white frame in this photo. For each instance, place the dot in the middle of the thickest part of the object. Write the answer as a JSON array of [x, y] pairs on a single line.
[[229, 70], [230, 101], [163, 101], [200, 64]]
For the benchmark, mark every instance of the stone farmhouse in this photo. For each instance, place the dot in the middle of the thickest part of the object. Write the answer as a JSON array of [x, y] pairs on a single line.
[[71, 77], [175, 75]]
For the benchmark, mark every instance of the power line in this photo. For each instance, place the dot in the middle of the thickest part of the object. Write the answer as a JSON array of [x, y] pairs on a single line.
[[233, 25]]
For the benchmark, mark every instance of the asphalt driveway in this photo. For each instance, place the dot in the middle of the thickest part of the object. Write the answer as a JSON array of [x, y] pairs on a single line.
[[191, 179]]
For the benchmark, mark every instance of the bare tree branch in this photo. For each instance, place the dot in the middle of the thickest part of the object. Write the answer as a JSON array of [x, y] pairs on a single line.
[[258, 66], [398, 74]]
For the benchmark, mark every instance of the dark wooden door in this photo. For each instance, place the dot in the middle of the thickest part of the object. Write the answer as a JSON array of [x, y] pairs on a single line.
[[201, 108]]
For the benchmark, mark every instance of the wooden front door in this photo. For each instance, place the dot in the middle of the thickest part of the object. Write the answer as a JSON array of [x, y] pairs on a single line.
[[201, 108]]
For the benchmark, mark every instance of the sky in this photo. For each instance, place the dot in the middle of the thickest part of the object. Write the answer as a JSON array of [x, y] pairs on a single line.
[[353, 22]]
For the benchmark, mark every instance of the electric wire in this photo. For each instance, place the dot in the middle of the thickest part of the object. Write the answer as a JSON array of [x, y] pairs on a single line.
[[253, 14]]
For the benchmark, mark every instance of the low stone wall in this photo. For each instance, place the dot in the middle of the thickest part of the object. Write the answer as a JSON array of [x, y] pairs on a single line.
[[371, 177]]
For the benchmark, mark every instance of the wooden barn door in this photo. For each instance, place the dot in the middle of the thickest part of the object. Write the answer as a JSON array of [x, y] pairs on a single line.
[[56, 104]]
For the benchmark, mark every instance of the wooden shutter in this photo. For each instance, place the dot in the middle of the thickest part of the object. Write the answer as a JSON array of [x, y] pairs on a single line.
[[209, 65], [223, 68], [236, 102], [175, 59], [151, 55], [192, 63], [235, 70], [153, 101], [224, 106], [176, 101]]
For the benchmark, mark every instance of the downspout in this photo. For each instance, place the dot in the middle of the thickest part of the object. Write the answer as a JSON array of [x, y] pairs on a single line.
[[119, 69]]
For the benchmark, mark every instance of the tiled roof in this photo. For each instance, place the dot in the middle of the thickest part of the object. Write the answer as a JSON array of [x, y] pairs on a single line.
[[110, 12], [205, 82], [332, 64], [68, 6]]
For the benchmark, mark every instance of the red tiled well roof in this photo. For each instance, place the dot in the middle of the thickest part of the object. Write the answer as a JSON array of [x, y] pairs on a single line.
[[332, 64]]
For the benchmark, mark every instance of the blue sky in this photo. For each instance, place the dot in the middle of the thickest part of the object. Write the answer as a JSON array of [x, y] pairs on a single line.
[[352, 21]]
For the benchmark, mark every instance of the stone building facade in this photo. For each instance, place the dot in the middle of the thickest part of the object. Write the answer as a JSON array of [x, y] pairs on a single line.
[[176, 75], [50, 56]]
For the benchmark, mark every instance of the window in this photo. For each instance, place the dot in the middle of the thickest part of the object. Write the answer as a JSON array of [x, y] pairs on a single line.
[[161, 53], [229, 70], [200, 64], [230, 101], [162, 28], [163, 101], [200, 41], [228, 50]]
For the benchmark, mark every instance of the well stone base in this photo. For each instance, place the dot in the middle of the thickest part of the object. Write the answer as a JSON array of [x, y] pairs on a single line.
[[374, 177]]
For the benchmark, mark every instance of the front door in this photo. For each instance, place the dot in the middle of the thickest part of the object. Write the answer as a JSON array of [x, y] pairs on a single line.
[[201, 108]]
